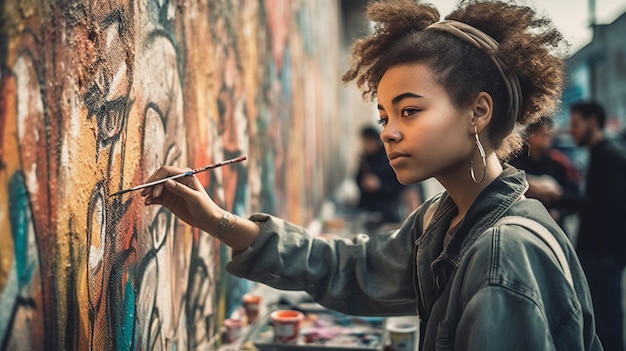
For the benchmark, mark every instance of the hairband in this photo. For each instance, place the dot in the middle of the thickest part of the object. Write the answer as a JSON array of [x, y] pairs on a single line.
[[483, 41]]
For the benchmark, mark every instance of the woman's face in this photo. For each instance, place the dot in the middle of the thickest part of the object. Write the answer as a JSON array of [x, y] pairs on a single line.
[[424, 134]]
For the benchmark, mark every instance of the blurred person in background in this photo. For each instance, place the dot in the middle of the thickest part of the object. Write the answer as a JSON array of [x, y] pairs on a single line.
[[551, 175], [601, 243], [380, 191]]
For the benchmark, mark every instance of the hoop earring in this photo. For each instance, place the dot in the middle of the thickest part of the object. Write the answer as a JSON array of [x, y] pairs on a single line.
[[482, 155]]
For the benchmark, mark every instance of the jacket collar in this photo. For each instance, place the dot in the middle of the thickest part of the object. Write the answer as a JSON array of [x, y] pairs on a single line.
[[490, 205]]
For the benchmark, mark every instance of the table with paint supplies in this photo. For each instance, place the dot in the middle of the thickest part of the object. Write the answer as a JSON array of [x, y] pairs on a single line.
[[275, 321]]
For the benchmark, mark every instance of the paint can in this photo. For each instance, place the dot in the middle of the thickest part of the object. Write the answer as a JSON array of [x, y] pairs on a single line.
[[234, 329], [251, 303], [402, 335], [286, 326]]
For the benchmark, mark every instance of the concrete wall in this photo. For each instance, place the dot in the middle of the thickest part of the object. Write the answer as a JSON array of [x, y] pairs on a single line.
[[94, 96]]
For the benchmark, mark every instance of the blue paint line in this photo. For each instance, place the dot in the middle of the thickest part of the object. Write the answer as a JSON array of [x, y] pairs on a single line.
[[19, 215]]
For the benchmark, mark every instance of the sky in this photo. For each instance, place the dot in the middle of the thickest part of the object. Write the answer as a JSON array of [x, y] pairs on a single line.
[[569, 16]]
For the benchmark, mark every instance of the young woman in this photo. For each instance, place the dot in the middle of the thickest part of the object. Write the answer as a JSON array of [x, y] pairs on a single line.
[[451, 96]]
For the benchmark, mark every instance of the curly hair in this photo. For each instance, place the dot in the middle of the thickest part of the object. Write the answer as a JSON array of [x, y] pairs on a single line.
[[529, 46]]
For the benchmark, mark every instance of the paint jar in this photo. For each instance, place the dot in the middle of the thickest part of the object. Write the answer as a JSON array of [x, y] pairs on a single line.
[[234, 329], [286, 326], [402, 335], [251, 303]]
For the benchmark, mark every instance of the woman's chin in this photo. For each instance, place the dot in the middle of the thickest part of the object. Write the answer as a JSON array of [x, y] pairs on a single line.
[[407, 179]]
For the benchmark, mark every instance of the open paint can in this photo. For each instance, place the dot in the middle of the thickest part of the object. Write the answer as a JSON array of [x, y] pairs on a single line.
[[402, 335], [286, 325], [234, 328]]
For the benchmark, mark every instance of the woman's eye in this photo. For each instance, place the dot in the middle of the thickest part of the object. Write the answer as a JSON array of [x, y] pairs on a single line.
[[383, 121], [407, 112]]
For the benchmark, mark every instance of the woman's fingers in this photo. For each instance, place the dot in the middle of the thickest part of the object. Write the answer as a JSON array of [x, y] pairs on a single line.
[[186, 187], [166, 171], [179, 189], [163, 172], [149, 200], [158, 190]]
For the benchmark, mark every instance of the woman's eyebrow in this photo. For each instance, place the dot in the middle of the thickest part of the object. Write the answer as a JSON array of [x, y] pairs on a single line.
[[403, 96], [399, 98]]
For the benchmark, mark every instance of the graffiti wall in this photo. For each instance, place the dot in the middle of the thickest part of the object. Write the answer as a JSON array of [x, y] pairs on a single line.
[[97, 94]]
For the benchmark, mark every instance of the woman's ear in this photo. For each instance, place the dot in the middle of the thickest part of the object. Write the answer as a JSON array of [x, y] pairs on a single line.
[[482, 111]]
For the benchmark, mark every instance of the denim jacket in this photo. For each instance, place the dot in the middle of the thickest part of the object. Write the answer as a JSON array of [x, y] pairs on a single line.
[[491, 288]]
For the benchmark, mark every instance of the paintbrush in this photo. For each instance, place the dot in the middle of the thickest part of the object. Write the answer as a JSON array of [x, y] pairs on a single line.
[[185, 174]]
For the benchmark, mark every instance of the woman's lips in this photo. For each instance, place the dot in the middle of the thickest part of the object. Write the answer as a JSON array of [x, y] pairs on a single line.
[[395, 156]]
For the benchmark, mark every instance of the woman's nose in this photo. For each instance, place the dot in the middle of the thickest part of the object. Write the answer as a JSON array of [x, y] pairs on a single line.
[[390, 134]]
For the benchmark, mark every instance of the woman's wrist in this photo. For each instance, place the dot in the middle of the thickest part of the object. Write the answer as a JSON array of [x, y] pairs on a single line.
[[237, 232], [214, 217], [226, 224]]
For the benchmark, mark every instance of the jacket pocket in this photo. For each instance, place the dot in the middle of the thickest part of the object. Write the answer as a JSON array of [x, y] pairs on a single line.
[[446, 333]]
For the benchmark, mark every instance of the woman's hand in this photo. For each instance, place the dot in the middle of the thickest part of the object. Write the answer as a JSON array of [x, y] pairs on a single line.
[[185, 197]]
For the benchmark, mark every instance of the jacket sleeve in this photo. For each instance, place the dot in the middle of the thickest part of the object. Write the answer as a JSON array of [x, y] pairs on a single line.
[[368, 275]]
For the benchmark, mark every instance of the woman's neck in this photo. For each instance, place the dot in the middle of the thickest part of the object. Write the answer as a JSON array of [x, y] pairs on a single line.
[[464, 191]]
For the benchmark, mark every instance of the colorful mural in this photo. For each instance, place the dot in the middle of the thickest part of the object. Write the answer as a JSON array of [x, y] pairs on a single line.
[[97, 94]]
